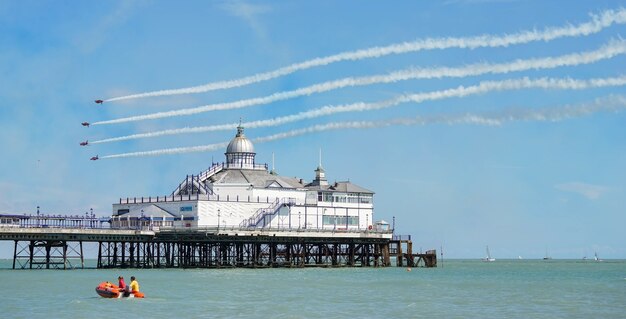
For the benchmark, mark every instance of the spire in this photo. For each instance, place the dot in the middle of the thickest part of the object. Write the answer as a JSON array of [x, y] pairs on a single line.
[[320, 164], [273, 171], [239, 129], [320, 175]]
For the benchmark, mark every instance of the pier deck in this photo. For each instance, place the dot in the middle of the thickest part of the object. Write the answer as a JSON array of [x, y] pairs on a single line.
[[38, 247]]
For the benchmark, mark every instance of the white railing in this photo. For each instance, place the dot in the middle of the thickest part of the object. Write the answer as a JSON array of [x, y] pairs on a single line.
[[242, 165], [204, 175], [188, 184], [189, 197], [261, 213], [254, 219], [215, 229], [53, 221], [216, 168]]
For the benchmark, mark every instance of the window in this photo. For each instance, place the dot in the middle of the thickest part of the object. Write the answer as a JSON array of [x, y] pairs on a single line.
[[353, 221], [339, 197], [186, 209], [366, 198], [353, 198], [336, 197], [324, 197], [328, 220], [340, 220]]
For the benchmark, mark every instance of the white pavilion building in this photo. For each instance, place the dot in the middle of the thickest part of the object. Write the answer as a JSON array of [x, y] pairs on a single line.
[[240, 194]]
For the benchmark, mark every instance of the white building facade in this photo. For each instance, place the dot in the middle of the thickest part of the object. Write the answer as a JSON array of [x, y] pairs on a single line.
[[240, 194]]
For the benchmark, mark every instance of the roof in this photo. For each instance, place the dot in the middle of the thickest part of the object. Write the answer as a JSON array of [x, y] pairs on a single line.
[[256, 178], [350, 188], [345, 187]]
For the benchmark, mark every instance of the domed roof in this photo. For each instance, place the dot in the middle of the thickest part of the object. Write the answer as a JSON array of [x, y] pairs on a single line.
[[240, 143]]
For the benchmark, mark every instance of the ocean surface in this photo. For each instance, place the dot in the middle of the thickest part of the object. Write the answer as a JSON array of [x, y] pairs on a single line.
[[459, 289]]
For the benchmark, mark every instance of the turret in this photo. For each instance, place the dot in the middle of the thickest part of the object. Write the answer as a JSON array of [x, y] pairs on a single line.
[[240, 151]]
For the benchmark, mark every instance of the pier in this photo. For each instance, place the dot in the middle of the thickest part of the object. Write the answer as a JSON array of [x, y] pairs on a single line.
[[402, 248], [234, 214], [42, 246]]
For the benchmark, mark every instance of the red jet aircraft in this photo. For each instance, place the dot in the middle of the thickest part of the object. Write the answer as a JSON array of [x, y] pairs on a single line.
[[85, 123], [99, 101], [85, 143], [95, 158]]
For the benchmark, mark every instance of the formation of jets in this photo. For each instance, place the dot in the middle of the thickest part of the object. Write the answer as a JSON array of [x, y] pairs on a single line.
[[85, 143]]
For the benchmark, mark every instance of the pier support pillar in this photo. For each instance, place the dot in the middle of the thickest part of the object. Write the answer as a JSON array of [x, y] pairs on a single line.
[[47, 254]]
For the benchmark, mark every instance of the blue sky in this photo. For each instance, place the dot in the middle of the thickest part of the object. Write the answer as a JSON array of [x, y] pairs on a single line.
[[522, 187]]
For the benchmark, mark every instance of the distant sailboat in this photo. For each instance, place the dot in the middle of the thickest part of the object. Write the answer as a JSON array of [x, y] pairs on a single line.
[[595, 257], [546, 257], [488, 258]]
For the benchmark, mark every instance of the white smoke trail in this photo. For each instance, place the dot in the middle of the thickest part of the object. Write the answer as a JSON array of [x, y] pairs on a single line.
[[597, 24], [178, 150], [605, 52], [611, 103], [461, 91]]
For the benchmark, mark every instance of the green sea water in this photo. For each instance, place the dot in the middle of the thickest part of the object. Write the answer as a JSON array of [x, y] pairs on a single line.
[[459, 289]]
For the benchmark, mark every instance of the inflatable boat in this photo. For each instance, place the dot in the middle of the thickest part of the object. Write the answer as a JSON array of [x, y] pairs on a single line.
[[109, 290]]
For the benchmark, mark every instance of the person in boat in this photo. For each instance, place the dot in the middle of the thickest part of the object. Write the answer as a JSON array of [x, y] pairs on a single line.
[[121, 283], [134, 285], [123, 287]]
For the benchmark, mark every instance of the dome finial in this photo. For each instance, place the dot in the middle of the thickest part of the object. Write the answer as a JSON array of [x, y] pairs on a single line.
[[240, 129]]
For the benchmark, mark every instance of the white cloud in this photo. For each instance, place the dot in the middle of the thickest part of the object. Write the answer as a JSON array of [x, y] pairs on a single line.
[[244, 10], [592, 192], [93, 38], [249, 13]]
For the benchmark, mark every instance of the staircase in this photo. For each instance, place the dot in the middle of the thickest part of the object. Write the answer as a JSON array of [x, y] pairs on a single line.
[[261, 213], [186, 187], [216, 168]]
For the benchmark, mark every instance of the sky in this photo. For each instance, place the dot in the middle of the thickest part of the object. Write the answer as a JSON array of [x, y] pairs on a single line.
[[464, 146]]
